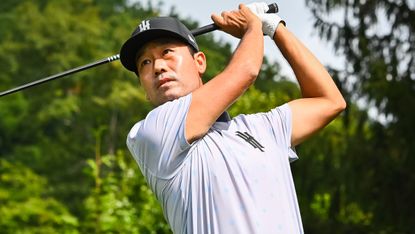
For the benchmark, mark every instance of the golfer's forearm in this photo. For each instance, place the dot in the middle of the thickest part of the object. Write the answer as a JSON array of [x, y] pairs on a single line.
[[313, 78], [209, 101], [240, 73], [246, 61]]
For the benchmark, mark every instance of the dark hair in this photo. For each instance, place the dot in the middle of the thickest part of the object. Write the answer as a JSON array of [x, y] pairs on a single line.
[[192, 50]]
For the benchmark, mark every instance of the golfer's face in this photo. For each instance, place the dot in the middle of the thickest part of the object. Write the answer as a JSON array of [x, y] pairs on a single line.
[[167, 71]]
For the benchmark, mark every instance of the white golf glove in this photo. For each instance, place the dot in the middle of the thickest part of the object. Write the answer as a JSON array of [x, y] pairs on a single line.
[[270, 21]]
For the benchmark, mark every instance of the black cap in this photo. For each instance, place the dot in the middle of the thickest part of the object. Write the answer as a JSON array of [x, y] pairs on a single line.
[[151, 29]]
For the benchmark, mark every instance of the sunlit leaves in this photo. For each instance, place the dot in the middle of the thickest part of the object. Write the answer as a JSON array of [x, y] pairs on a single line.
[[24, 206]]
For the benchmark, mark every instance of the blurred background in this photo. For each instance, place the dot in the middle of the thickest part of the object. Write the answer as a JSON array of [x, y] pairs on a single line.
[[64, 165]]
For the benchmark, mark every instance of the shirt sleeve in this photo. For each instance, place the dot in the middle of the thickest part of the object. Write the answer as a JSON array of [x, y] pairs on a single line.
[[158, 142], [281, 120]]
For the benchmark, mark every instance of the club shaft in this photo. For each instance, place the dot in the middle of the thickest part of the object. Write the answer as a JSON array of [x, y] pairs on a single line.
[[273, 8], [62, 74]]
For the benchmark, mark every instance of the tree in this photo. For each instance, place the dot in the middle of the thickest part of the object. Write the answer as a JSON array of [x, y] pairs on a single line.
[[377, 39], [25, 207]]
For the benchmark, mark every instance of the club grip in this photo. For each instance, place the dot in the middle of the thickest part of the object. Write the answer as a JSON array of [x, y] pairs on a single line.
[[272, 8]]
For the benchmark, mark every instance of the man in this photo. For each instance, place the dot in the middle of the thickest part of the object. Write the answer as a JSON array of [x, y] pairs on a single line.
[[213, 174]]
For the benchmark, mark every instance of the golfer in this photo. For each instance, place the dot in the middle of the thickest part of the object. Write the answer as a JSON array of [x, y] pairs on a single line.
[[212, 173]]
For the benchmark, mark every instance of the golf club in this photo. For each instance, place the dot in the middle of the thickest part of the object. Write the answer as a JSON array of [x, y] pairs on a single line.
[[273, 8]]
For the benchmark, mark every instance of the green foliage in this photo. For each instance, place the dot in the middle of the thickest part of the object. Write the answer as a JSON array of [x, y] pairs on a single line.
[[64, 166], [24, 206], [121, 202], [376, 180], [254, 101]]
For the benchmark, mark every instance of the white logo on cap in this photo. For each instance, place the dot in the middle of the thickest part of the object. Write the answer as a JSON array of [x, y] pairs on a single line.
[[144, 25], [191, 38]]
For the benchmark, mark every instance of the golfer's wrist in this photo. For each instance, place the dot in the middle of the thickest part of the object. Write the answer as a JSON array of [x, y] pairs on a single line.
[[270, 23], [280, 28], [255, 25]]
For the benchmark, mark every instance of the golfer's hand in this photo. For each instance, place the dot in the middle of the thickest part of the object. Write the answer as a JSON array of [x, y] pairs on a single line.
[[270, 21], [237, 22]]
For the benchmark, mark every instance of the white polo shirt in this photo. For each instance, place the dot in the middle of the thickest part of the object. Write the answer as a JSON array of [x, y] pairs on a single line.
[[236, 179]]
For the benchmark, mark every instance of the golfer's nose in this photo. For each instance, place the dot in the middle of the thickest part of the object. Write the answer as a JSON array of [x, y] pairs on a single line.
[[160, 66]]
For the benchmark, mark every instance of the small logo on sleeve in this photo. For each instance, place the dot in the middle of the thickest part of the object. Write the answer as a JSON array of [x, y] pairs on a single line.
[[250, 139]]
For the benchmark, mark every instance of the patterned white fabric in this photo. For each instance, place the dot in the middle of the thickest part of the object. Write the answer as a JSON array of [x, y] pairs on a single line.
[[236, 179]]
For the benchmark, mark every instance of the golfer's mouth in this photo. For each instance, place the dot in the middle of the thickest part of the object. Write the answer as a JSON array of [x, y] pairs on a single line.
[[163, 81]]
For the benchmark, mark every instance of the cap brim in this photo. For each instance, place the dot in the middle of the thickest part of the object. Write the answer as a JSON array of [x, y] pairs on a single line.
[[131, 47]]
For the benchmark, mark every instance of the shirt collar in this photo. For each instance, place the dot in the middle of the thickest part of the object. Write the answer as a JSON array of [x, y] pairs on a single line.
[[224, 117]]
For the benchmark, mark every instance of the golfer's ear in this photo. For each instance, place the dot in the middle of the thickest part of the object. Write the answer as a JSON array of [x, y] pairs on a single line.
[[200, 60]]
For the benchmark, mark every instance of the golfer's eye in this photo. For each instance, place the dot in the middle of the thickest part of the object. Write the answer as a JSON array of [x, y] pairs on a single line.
[[167, 51], [145, 62]]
